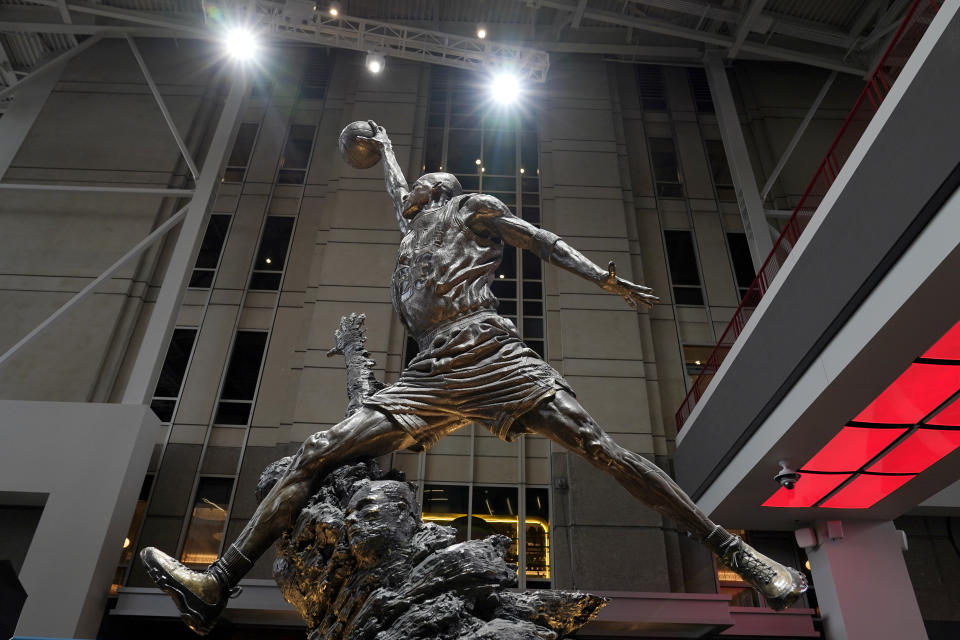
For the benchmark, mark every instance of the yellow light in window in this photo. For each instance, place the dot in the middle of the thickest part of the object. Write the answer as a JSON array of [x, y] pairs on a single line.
[[501, 276], [268, 261], [126, 542], [696, 362], [807, 565]]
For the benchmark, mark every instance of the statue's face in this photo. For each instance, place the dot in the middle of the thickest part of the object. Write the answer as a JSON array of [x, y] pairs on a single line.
[[435, 188]]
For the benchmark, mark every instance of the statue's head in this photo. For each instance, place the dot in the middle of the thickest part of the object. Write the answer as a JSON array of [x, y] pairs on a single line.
[[430, 189]]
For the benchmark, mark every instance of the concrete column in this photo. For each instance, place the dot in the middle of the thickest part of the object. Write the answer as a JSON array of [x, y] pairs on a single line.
[[748, 196], [22, 113], [862, 583]]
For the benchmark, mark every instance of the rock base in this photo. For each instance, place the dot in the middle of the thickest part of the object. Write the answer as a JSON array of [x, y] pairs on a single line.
[[360, 564]]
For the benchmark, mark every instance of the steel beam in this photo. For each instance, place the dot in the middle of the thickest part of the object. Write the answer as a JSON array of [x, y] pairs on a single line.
[[79, 297], [21, 114], [156, 338], [735, 147], [797, 135], [63, 57], [744, 29], [578, 14], [140, 191], [163, 108]]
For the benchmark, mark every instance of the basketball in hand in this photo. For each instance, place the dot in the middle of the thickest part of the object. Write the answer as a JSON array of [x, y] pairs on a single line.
[[356, 148]]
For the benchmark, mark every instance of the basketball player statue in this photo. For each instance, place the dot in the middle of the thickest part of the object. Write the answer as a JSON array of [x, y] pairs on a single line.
[[472, 367]]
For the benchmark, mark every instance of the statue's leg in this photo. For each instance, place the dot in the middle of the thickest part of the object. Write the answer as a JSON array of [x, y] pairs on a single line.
[[566, 422], [202, 595]]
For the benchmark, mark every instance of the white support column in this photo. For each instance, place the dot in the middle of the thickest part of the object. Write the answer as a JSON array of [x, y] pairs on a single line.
[[863, 586], [146, 368], [22, 113], [748, 196]]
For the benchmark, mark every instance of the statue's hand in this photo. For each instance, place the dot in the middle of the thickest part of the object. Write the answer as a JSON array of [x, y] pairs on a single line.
[[634, 294], [380, 136]]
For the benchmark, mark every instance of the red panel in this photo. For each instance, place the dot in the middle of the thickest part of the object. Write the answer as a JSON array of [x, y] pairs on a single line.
[[913, 395], [949, 417], [852, 448], [809, 488], [920, 450], [865, 491], [947, 347]]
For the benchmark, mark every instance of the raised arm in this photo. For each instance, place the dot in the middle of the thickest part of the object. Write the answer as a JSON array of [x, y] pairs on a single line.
[[396, 183], [487, 215]]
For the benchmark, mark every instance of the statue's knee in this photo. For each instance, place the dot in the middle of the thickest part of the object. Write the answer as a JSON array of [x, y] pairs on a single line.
[[316, 445]]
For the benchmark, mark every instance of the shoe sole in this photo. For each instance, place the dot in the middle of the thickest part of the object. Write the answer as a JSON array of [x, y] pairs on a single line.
[[192, 618], [785, 601]]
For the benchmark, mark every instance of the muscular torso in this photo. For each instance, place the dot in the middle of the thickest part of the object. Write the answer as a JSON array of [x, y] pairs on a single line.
[[443, 269]]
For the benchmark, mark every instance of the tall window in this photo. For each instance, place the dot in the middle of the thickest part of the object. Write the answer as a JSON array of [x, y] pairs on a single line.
[[240, 154], [650, 84], [483, 510], [296, 154], [316, 73], [210, 248], [208, 519], [700, 90], [722, 179], [741, 260], [684, 275], [494, 152], [174, 369], [126, 556], [666, 169], [272, 254], [243, 373]]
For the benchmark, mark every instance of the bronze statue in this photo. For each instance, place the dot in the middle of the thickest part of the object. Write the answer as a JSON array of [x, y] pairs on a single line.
[[472, 367]]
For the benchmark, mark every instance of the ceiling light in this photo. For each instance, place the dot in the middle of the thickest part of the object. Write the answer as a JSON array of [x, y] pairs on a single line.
[[505, 87], [481, 31], [268, 260], [522, 170], [241, 44], [334, 9], [375, 62]]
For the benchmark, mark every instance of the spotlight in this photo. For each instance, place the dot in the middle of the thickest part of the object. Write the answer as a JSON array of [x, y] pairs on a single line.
[[505, 88], [241, 44], [477, 162], [522, 170], [334, 9], [481, 31], [375, 62]]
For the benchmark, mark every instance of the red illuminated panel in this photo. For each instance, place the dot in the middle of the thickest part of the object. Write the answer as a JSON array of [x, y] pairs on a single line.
[[949, 417], [865, 491], [920, 450], [947, 347], [809, 488], [852, 448], [913, 395]]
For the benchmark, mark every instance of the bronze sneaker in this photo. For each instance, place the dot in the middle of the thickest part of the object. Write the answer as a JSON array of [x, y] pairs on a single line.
[[779, 585], [200, 596]]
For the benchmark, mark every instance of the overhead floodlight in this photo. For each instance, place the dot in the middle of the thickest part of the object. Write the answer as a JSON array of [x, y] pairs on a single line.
[[505, 87], [334, 9], [241, 44], [481, 31], [375, 62]]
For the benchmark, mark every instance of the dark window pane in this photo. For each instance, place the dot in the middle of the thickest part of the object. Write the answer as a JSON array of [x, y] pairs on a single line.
[[681, 257], [531, 185], [175, 363], [532, 328], [463, 150], [163, 409], [201, 279], [500, 153], [531, 214], [234, 175], [504, 288], [529, 153], [433, 154], [411, 350], [495, 511], [532, 308], [261, 88], [316, 73], [213, 239], [260, 281], [291, 176], [663, 156], [508, 266], [232, 413], [243, 145], [532, 266], [531, 199], [537, 527], [700, 89], [244, 369], [207, 521], [296, 152], [499, 184], [447, 505], [469, 183], [508, 308], [721, 171], [687, 295], [436, 119], [532, 291], [742, 262], [653, 92], [272, 253], [668, 190], [537, 345], [312, 93]]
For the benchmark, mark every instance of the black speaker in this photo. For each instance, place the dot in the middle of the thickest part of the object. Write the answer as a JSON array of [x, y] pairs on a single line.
[[12, 597]]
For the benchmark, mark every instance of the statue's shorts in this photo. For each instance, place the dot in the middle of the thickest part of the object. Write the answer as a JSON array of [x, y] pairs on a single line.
[[474, 369]]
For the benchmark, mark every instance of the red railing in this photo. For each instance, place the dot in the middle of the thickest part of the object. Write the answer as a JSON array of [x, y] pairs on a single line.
[[911, 29]]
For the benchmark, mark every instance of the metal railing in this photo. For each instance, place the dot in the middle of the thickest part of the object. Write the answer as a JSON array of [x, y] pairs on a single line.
[[912, 28]]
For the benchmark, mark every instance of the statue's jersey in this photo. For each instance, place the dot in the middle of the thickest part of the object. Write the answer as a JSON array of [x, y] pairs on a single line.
[[443, 269]]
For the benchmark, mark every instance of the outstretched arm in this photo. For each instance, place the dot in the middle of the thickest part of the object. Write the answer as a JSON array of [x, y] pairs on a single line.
[[396, 183], [489, 216]]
